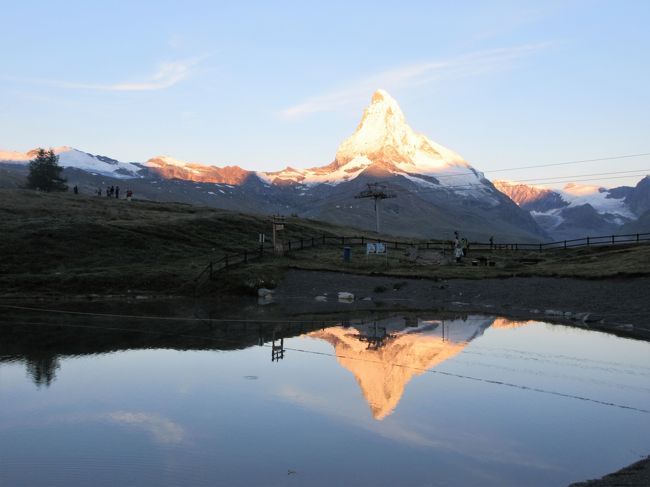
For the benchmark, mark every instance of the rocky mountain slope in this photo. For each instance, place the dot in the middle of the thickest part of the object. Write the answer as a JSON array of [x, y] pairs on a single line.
[[579, 210], [436, 190]]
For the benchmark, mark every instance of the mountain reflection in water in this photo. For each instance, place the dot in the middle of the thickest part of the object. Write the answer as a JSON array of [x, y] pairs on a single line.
[[385, 355], [382, 354]]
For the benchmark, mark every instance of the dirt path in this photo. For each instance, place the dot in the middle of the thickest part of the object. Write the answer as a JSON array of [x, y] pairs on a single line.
[[617, 305]]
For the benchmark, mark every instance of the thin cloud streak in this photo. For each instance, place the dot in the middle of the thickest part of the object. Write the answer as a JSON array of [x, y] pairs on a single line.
[[168, 74], [467, 65]]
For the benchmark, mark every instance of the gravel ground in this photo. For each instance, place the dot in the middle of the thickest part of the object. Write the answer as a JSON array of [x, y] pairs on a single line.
[[620, 305]]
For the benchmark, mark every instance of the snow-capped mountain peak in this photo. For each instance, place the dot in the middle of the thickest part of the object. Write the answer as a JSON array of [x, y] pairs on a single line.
[[74, 158], [383, 138]]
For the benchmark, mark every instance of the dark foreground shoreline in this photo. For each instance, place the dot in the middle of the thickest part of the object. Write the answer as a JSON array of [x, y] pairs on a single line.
[[637, 474], [616, 305]]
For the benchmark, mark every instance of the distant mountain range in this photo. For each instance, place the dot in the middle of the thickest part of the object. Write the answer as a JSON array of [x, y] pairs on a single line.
[[437, 191], [579, 210]]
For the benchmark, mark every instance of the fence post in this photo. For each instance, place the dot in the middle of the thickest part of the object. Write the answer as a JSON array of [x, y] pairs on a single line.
[[613, 239], [540, 247], [342, 240], [565, 244], [362, 240], [637, 238], [289, 245]]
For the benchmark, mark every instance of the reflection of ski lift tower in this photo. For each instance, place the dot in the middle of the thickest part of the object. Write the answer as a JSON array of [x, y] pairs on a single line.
[[375, 336], [277, 351], [377, 192]]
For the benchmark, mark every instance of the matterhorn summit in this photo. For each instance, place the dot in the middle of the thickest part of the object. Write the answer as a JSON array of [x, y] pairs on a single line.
[[384, 142], [383, 136]]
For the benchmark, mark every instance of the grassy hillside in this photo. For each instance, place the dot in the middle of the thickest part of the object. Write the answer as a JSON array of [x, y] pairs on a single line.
[[71, 243], [61, 244]]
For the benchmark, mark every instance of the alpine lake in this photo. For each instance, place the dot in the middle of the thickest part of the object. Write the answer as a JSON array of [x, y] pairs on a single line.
[[396, 400]]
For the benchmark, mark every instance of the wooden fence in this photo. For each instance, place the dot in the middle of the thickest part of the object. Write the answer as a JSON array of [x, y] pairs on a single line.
[[235, 259]]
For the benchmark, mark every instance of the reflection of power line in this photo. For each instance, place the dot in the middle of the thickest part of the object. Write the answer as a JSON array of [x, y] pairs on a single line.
[[377, 192], [314, 352]]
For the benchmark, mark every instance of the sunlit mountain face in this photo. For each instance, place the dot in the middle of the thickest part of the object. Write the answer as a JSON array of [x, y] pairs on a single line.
[[385, 355], [435, 187]]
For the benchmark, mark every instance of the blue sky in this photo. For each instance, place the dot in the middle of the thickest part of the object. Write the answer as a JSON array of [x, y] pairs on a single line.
[[269, 84]]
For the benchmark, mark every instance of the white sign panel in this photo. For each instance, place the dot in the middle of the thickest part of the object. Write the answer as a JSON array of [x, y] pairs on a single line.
[[376, 248]]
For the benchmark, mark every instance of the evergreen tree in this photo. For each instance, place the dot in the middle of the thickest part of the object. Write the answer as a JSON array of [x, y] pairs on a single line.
[[45, 172]]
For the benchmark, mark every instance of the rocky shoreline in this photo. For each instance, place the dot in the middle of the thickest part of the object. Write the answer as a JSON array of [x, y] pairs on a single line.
[[616, 305]]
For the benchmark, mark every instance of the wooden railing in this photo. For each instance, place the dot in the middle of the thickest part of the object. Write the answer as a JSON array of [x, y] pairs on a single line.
[[234, 259]]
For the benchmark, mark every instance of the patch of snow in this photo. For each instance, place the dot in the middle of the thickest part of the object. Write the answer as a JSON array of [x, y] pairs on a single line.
[[579, 194], [70, 157]]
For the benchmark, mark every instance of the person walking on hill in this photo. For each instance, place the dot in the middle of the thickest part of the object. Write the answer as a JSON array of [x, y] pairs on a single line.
[[117, 192], [129, 194], [75, 190]]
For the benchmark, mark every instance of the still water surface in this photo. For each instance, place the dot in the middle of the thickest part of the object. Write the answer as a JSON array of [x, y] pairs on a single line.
[[400, 401]]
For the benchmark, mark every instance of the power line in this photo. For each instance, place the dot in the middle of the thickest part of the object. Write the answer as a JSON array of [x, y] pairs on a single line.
[[540, 181], [625, 156], [642, 171], [534, 166]]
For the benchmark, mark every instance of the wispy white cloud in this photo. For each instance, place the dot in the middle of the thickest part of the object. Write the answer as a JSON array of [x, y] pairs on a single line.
[[166, 75], [161, 429], [466, 65]]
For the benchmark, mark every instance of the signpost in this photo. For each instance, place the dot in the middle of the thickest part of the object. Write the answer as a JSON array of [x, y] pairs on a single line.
[[278, 226]]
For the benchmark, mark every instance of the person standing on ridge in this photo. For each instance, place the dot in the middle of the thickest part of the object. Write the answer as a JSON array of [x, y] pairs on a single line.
[[117, 192]]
